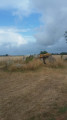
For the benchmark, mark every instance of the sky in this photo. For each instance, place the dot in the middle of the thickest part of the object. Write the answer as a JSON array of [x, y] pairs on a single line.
[[31, 26]]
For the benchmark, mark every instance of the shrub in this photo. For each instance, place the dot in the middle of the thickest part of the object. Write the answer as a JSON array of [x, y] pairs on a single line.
[[28, 59]]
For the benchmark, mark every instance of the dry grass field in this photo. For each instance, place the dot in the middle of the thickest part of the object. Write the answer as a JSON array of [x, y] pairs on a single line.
[[34, 94]]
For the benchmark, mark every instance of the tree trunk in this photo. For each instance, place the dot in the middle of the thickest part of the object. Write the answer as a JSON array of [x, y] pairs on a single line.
[[44, 60]]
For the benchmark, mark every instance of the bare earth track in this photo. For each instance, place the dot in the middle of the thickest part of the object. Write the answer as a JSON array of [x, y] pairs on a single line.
[[34, 95]]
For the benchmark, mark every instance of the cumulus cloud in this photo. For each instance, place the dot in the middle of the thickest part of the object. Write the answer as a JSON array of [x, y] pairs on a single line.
[[12, 37], [54, 19]]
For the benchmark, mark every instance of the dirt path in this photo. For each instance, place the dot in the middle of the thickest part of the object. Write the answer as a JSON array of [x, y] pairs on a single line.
[[39, 95]]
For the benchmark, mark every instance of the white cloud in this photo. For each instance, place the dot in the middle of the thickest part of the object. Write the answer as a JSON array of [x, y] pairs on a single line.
[[54, 19], [13, 29], [53, 16], [19, 7], [11, 37], [14, 4]]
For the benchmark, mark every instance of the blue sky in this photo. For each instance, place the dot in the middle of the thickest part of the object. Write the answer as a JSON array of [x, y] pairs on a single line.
[[27, 27], [7, 19]]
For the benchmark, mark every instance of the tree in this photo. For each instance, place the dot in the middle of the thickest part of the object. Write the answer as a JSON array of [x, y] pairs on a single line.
[[43, 52], [6, 55], [63, 53]]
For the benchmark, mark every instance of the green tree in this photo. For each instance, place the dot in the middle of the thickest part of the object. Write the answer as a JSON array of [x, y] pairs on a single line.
[[43, 52]]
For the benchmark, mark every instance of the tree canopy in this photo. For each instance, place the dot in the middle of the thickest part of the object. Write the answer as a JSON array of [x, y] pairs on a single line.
[[43, 52]]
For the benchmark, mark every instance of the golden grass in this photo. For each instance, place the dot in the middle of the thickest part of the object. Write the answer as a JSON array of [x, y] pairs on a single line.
[[32, 65], [33, 95], [58, 63], [18, 64], [37, 95]]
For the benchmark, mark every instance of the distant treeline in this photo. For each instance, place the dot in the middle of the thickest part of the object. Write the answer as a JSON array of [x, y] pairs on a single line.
[[42, 52], [62, 53], [4, 55]]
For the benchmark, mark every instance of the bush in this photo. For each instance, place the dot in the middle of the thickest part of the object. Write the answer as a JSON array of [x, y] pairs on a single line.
[[28, 59]]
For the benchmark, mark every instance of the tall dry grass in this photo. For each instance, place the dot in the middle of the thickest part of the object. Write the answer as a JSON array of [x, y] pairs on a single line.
[[59, 63], [32, 65]]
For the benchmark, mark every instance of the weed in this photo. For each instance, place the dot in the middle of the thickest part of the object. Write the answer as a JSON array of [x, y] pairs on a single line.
[[63, 109]]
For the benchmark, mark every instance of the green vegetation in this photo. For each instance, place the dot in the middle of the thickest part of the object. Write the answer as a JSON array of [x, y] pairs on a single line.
[[43, 52], [63, 53], [63, 109], [30, 58]]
